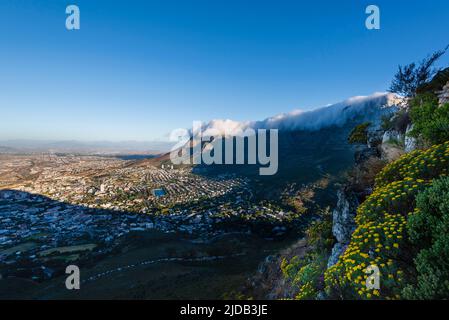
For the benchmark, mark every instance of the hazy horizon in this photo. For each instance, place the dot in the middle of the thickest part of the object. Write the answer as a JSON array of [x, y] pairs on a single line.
[[86, 146]]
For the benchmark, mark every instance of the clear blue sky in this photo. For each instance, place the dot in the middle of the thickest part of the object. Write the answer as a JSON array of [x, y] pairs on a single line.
[[138, 69]]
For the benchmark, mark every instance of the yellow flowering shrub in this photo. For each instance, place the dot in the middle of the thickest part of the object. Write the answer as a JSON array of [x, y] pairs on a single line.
[[397, 197], [380, 238], [306, 292], [418, 164], [305, 274]]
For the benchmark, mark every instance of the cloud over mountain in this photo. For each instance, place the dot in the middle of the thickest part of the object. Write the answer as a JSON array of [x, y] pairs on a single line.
[[365, 108]]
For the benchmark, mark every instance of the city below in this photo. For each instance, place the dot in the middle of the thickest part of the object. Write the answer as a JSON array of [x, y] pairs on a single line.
[[62, 209]]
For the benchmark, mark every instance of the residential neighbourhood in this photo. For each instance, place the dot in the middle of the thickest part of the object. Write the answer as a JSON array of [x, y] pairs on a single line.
[[67, 207]]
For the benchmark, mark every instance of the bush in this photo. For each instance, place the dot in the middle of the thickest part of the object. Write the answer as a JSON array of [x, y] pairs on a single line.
[[319, 232], [372, 243], [308, 278], [397, 197], [418, 164], [382, 234], [430, 121], [305, 274], [428, 229], [359, 134]]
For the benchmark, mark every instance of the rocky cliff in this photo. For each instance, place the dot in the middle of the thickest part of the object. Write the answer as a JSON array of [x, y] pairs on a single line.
[[382, 146], [343, 224]]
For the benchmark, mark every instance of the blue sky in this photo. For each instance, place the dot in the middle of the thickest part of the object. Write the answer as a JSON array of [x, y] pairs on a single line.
[[138, 69]]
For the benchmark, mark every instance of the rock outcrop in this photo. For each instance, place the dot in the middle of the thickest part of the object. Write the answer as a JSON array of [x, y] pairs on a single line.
[[337, 250], [386, 145], [443, 95], [410, 143], [364, 154], [392, 136], [343, 224], [374, 137]]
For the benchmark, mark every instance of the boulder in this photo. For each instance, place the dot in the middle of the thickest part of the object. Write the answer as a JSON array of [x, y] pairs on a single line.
[[409, 142]]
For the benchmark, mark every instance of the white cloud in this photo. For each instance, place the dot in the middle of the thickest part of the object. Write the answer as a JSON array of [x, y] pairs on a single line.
[[338, 114]]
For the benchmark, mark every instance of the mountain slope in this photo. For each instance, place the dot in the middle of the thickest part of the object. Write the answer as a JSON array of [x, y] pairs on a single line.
[[311, 143]]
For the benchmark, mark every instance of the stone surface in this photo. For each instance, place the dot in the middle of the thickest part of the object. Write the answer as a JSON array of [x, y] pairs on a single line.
[[343, 224], [392, 136], [374, 137], [343, 216], [337, 251], [364, 154], [443, 95], [409, 142]]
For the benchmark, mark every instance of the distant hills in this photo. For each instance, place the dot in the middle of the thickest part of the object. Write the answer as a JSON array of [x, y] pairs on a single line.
[[84, 147], [4, 149]]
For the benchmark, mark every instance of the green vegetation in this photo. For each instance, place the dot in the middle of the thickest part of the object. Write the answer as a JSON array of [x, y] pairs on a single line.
[[389, 222], [359, 134], [402, 227], [430, 121], [428, 229], [440, 79], [305, 275]]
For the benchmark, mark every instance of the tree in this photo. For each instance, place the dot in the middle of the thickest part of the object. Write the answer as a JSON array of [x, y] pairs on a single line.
[[410, 77], [359, 135]]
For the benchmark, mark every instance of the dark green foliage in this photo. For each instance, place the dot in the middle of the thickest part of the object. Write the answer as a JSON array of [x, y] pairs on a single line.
[[359, 134], [436, 84], [412, 76], [306, 274], [428, 229], [431, 122], [319, 232]]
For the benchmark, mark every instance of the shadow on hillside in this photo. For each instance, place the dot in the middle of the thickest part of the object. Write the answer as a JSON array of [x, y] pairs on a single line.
[[302, 157]]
